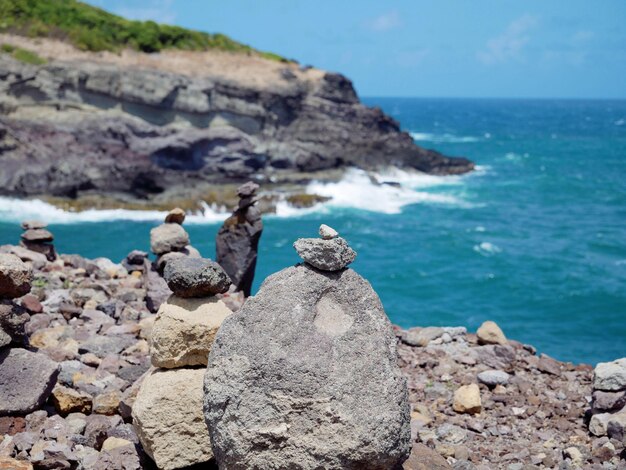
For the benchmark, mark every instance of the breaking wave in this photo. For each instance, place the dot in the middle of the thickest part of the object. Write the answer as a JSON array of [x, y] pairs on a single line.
[[385, 192], [447, 138]]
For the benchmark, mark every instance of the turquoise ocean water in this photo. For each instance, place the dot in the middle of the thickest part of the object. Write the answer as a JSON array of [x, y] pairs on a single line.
[[535, 239]]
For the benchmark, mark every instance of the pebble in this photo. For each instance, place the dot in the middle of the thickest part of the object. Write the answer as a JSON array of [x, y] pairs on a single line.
[[175, 216], [491, 378], [328, 233], [490, 333], [467, 399]]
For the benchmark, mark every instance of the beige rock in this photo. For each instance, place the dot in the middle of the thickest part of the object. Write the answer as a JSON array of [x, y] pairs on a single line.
[[574, 455], [467, 399], [168, 418], [490, 333], [67, 400], [114, 442], [184, 331], [107, 403], [146, 325], [7, 463], [175, 216]]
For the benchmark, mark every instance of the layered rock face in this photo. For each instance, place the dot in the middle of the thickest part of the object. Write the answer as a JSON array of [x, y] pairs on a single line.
[[100, 125], [305, 376]]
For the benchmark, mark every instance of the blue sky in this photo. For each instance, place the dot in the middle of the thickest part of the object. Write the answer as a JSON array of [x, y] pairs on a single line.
[[435, 48]]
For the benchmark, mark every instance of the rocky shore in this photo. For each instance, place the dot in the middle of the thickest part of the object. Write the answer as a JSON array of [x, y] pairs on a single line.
[[76, 351], [140, 130]]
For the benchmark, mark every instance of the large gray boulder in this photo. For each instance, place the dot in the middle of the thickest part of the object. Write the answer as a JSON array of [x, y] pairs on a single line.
[[610, 376], [305, 376], [26, 380], [15, 276]]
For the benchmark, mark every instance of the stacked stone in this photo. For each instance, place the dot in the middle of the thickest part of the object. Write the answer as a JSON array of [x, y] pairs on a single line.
[[237, 241], [26, 378], [170, 240], [305, 374], [37, 238], [168, 410], [608, 405]]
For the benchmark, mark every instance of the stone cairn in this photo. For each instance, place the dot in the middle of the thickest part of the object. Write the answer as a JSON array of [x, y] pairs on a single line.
[[237, 241], [607, 416], [167, 413], [37, 238], [26, 378], [305, 374], [168, 241]]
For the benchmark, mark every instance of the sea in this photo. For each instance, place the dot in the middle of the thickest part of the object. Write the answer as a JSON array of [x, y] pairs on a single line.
[[534, 239]]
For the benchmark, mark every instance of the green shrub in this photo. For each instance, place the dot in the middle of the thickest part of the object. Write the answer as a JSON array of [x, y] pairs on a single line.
[[90, 28], [22, 55]]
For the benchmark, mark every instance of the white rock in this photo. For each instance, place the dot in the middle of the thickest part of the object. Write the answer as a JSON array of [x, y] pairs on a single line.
[[492, 378], [610, 376], [598, 424], [328, 233]]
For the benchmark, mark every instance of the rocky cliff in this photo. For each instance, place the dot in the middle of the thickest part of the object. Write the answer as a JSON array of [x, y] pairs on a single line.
[[142, 126]]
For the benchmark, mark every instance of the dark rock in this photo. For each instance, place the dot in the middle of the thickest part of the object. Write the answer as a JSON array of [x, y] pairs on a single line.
[[15, 277], [248, 189], [608, 401], [122, 458], [98, 428], [195, 277], [311, 354], [157, 290], [327, 255], [32, 304], [136, 257], [12, 320], [237, 246], [26, 381]]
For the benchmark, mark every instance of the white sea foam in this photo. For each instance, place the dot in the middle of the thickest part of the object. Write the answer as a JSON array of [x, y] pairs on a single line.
[[487, 249], [447, 138], [19, 209], [386, 192], [361, 190]]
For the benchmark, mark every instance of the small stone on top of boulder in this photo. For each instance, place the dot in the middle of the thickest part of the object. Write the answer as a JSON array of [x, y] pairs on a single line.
[[175, 216], [329, 253], [195, 277]]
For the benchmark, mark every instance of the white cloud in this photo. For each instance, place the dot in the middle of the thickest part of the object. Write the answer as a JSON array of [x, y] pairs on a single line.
[[160, 11], [511, 43], [385, 22]]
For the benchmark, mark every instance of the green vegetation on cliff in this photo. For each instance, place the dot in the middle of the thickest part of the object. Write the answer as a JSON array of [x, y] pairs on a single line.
[[93, 29], [22, 55]]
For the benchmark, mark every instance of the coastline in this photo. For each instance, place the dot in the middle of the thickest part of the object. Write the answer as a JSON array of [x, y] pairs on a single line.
[[92, 317]]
